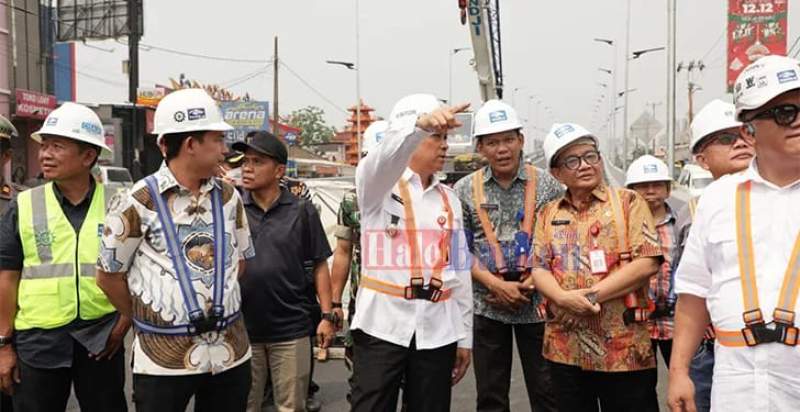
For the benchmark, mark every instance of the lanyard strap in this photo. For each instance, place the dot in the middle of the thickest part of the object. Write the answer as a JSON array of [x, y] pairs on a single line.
[[411, 233], [479, 198], [182, 270], [784, 310]]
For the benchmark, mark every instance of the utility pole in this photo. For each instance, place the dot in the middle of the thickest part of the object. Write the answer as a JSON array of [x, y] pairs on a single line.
[[275, 63], [627, 77], [671, 89], [358, 85], [134, 32]]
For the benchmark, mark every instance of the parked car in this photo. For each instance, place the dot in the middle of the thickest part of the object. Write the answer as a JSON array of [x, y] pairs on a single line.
[[694, 178]]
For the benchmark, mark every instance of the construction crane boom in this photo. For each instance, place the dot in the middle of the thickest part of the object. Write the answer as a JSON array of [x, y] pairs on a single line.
[[482, 17]]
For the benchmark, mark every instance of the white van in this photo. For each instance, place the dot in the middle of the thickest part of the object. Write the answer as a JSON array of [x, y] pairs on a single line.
[[694, 178]]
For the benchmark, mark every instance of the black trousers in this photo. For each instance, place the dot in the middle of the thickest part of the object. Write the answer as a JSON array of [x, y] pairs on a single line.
[[226, 391], [665, 346], [5, 403], [492, 356], [380, 366], [99, 385], [577, 390]]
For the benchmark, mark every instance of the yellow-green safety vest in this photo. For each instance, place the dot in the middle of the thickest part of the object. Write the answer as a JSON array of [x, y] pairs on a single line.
[[58, 284]]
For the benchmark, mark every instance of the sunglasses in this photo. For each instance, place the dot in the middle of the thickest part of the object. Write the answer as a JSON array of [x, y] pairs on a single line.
[[723, 139], [783, 115], [574, 162]]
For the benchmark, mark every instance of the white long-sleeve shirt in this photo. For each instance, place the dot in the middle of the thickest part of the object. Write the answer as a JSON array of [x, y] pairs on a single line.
[[384, 257], [763, 378]]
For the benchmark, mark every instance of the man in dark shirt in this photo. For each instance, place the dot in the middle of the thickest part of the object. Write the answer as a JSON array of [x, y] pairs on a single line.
[[288, 238], [64, 329]]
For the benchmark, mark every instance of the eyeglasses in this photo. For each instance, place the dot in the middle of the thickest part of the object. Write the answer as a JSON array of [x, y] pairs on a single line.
[[574, 162], [723, 139], [783, 115]]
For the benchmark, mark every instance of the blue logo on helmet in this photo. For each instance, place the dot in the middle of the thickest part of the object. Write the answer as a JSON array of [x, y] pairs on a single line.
[[787, 76], [650, 169], [91, 128], [378, 137], [498, 116], [561, 131]]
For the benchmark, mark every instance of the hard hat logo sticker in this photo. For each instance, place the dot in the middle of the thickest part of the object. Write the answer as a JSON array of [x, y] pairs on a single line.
[[787, 76], [196, 114], [51, 121], [378, 137], [91, 128], [650, 169], [561, 131], [179, 117], [498, 116]]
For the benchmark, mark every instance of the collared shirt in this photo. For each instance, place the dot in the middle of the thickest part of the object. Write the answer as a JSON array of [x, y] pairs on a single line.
[[562, 244], [289, 242], [52, 348], [505, 208], [662, 284], [762, 378], [384, 257], [134, 242], [348, 227]]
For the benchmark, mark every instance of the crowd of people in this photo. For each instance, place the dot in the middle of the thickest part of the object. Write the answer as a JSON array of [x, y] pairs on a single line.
[[222, 271]]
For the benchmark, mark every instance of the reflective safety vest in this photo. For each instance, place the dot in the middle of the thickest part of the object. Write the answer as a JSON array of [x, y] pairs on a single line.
[[58, 284]]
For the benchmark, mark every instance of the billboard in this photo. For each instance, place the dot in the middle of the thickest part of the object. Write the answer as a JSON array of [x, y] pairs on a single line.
[[245, 117], [756, 28], [81, 20]]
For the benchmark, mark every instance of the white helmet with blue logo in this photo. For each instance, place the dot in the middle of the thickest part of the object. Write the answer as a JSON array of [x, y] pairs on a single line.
[[73, 121], [763, 80], [562, 135], [496, 117], [373, 135], [647, 169]]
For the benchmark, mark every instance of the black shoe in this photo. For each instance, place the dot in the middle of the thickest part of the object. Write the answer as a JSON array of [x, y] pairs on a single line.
[[313, 405]]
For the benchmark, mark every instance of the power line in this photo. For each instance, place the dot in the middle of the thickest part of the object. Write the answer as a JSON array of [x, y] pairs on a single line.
[[198, 55], [312, 88], [713, 46]]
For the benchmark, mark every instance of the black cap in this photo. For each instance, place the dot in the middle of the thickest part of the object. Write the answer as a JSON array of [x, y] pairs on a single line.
[[265, 143]]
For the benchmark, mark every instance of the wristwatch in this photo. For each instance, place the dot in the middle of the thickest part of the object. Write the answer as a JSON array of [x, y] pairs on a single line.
[[5, 340], [336, 305], [330, 317]]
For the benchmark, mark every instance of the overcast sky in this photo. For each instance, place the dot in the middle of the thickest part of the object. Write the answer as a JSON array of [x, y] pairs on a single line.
[[547, 50]]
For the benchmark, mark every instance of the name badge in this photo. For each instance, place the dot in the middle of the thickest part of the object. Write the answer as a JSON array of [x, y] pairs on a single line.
[[597, 261], [489, 206], [559, 223]]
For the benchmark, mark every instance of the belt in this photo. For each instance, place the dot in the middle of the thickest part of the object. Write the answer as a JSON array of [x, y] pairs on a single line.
[[415, 290]]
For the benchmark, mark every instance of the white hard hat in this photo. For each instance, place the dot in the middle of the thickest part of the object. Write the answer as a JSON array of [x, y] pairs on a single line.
[[373, 135], [763, 80], [76, 122], [560, 136], [647, 169], [414, 105], [188, 110], [715, 116], [495, 117]]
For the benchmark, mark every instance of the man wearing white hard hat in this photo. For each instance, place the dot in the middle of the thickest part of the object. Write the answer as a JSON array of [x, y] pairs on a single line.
[[740, 266], [649, 176], [347, 255], [500, 203], [58, 331], [413, 317], [718, 146], [171, 254], [595, 250]]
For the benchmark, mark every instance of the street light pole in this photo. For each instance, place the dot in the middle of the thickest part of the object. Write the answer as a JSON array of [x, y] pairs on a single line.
[[627, 77], [453, 52], [613, 100], [671, 87], [358, 85]]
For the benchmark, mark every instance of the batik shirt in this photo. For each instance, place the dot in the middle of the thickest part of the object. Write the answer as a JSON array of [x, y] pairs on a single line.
[[505, 208], [562, 242], [133, 242], [662, 285]]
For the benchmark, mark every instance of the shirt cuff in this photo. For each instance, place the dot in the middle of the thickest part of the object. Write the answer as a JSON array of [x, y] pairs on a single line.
[[466, 343]]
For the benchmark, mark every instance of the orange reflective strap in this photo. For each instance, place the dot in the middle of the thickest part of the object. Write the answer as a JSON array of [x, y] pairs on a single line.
[[744, 242], [479, 198], [784, 311], [693, 207], [620, 224]]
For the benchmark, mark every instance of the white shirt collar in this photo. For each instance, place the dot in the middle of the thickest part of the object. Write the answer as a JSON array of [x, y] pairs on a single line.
[[751, 173], [414, 178]]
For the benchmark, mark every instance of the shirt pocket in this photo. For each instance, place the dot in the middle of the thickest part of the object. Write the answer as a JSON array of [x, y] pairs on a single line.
[[722, 247]]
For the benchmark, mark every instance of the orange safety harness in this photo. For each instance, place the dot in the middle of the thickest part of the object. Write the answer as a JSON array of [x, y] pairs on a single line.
[[416, 288], [479, 199], [756, 330]]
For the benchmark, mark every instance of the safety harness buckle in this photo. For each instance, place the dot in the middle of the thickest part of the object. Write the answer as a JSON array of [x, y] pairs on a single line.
[[773, 332], [417, 290], [634, 315]]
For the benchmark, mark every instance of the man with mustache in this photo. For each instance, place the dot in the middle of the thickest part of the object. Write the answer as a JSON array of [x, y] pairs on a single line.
[[740, 263], [499, 203]]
